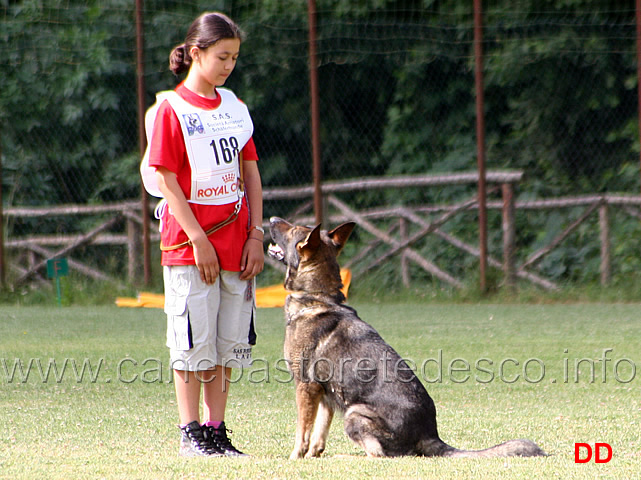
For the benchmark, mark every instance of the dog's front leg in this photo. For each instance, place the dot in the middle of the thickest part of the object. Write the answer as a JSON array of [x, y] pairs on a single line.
[[323, 421], [308, 396]]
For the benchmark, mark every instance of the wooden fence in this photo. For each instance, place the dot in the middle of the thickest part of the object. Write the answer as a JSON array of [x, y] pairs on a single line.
[[121, 224], [29, 254]]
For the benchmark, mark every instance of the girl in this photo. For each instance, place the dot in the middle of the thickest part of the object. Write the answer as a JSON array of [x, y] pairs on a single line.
[[202, 161]]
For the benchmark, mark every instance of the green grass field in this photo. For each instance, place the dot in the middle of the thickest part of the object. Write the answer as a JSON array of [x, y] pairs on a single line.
[[496, 372]]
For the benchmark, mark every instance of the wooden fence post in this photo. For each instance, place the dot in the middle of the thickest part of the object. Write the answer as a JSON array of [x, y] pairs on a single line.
[[604, 233], [509, 236], [405, 272], [2, 264], [134, 250]]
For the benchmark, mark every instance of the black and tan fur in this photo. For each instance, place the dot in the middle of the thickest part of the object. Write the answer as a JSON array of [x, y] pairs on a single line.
[[339, 362]]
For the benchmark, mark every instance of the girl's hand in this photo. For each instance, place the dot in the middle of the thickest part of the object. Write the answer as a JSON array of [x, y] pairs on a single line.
[[253, 258], [206, 260]]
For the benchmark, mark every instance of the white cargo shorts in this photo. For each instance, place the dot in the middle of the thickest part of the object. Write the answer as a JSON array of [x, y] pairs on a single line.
[[208, 325]]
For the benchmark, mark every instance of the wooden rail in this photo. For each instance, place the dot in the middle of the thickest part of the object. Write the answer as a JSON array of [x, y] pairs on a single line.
[[38, 248]]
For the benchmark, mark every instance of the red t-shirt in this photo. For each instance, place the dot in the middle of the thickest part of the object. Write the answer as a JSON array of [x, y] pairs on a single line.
[[168, 150]]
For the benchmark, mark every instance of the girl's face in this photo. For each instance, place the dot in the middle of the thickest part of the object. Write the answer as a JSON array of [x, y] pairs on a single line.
[[215, 63]]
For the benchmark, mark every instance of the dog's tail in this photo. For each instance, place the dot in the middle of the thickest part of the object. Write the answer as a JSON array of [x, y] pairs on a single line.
[[513, 448]]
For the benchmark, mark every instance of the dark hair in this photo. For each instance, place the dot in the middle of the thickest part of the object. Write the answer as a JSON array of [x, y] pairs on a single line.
[[208, 29]]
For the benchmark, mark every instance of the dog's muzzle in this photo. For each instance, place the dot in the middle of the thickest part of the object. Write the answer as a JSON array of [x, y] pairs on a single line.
[[276, 252]]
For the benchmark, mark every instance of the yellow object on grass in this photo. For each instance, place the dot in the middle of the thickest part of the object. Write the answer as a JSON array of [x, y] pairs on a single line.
[[144, 299], [266, 297]]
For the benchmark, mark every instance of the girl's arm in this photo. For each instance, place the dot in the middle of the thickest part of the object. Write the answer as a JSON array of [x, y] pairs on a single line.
[[204, 252], [253, 259]]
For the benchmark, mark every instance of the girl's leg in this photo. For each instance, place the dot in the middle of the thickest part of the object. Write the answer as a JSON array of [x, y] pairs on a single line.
[[215, 391], [187, 395]]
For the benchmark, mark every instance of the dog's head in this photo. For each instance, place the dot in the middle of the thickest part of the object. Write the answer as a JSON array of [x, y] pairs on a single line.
[[309, 254]]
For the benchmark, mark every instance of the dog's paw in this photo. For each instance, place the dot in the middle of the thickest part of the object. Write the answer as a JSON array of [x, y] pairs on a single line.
[[315, 452], [295, 455]]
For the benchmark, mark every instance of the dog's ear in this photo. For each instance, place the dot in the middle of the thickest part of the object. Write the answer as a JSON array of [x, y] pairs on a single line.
[[340, 234], [311, 243]]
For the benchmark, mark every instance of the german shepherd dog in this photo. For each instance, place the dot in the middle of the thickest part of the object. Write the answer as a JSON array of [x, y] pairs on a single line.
[[339, 362]]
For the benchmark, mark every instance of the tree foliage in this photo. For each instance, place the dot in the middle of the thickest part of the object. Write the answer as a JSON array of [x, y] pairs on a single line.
[[397, 93], [396, 81], [67, 102]]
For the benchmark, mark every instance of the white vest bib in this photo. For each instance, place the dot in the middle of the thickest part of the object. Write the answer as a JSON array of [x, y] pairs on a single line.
[[213, 140]]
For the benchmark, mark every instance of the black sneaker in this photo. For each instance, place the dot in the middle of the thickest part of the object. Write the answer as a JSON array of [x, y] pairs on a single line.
[[218, 437], [195, 442]]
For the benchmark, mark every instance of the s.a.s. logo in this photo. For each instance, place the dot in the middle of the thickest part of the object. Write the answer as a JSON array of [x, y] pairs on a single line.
[[193, 123]]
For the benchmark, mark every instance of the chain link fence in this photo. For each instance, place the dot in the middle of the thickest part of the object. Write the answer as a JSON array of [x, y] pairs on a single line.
[[396, 98]]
